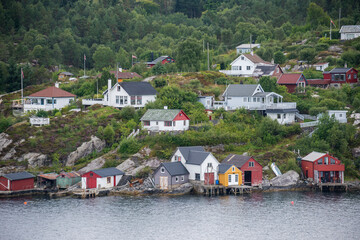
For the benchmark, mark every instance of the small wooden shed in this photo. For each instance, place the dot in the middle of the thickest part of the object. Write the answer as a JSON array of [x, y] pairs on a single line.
[[101, 178], [229, 175], [67, 179], [17, 181], [171, 174], [47, 180]]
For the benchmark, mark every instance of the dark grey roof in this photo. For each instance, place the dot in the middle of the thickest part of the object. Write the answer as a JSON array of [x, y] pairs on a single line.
[[235, 159], [185, 150], [175, 168], [350, 29], [105, 172], [18, 176], [196, 157], [159, 59], [290, 110], [265, 69], [340, 70], [160, 114], [138, 88], [223, 167], [240, 90]]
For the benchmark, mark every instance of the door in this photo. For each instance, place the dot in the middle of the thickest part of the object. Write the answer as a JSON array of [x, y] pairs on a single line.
[[233, 179], [163, 182], [42, 101], [247, 178], [326, 177], [209, 178], [91, 182]]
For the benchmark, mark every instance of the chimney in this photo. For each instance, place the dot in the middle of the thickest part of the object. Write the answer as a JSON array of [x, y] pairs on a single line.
[[109, 84], [57, 85], [120, 69], [165, 107]]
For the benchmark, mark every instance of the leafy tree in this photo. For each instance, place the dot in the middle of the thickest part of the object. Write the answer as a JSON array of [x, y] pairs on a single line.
[[316, 16], [109, 134], [189, 54], [159, 68], [269, 84], [279, 57], [103, 57], [307, 54]]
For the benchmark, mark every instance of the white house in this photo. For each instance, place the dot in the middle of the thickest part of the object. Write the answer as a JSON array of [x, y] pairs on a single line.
[[246, 48], [349, 32], [101, 178], [245, 65], [253, 97], [48, 99], [339, 115], [135, 94], [165, 120], [201, 165], [321, 66]]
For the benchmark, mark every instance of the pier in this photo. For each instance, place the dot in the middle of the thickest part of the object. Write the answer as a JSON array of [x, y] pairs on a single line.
[[333, 187], [218, 190]]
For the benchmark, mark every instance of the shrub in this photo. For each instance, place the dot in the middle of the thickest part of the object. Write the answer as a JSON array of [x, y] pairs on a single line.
[[314, 111], [143, 173], [109, 134], [129, 146], [160, 82], [42, 113]]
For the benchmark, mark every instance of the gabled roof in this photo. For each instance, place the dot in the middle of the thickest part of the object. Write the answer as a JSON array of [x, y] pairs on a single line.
[[289, 78], [235, 159], [339, 70], [175, 168], [186, 150], [223, 167], [247, 45], [70, 174], [313, 156], [49, 176], [138, 88], [159, 59], [161, 114], [105, 172], [240, 90], [255, 58], [265, 69], [52, 92], [197, 157], [125, 75], [350, 29], [18, 176]]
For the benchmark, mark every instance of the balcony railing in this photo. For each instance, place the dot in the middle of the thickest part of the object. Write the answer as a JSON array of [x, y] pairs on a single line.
[[284, 105], [93, 101], [39, 121]]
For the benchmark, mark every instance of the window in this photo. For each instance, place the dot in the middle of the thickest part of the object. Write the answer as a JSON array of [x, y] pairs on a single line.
[[118, 88], [49, 101], [236, 178], [197, 176], [146, 123], [209, 164], [91, 174], [254, 99], [139, 100], [320, 161], [242, 57], [349, 76], [240, 68], [132, 100], [355, 76], [248, 67], [121, 100], [233, 169], [117, 99], [168, 123], [108, 180], [157, 123], [174, 123], [277, 70], [229, 178], [162, 170], [332, 161], [182, 178], [340, 115], [279, 116], [125, 100], [245, 99], [326, 160], [176, 179], [179, 158], [338, 77], [284, 115], [251, 164], [184, 122]]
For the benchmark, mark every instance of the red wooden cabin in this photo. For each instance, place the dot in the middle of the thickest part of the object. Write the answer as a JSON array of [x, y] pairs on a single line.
[[101, 178], [17, 181], [252, 170], [323, 168], [341, 76], [292, 81]]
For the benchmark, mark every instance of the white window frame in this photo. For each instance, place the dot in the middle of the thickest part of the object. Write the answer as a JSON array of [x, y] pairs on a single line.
[[162, 170]]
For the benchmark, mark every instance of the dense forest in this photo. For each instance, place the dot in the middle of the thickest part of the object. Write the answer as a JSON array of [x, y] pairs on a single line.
[[41, 34]]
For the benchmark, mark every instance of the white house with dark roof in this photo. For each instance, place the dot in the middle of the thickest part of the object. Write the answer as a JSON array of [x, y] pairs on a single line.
[[48, 99], [101, 178], [156, 120], [246, 48], [202, 166], [171, 174], [253, 97], [349, 32], [123, 94], [245, 65]]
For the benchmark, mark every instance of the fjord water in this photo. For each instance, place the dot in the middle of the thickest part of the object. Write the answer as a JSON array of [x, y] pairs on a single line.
[[256, 216]]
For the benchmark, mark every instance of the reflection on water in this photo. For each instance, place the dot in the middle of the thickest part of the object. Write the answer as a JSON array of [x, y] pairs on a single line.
[[254, 216]]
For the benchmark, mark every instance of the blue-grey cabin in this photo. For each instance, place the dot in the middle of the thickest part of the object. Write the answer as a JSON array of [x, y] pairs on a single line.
[[170, 175]]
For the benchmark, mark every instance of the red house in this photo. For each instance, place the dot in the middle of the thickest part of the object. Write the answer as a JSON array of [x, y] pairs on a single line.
[[338, 76], [17, 181], [252, 170], [101, 178], [323, 168], [292, 81], [162, 60]]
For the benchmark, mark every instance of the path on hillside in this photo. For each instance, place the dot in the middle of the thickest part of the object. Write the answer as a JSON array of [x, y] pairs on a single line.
[[149, 79]]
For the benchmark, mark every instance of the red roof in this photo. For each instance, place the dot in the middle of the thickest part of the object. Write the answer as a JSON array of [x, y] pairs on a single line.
[[52, 92], [289, 78], [318, 81]]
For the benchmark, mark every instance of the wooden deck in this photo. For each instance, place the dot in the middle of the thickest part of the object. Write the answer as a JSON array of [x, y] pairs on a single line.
[[333, 187], [217, 190]]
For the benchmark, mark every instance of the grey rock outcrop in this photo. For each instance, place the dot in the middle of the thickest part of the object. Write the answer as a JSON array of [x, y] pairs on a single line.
[[94, 164], [9, 155], [95, 144], [127, 166], [35, 159], [288, 179], [4, 141]]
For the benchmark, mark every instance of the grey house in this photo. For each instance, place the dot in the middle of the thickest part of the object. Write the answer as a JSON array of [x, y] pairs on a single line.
[[171, 174]]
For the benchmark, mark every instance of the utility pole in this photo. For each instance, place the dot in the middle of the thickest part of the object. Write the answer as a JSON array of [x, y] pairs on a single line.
[[330, 29], [22, 86], [203, 45], [339, 16], [208, 57], [250, 40]]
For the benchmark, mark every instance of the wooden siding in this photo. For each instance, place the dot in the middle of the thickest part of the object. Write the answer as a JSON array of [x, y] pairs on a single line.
[[224, 177]]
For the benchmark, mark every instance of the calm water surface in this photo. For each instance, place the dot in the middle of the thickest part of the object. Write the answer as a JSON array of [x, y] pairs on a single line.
[[255, 216]]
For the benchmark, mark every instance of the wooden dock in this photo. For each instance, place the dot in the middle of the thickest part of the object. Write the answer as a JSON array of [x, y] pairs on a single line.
[[219, 190], [333, 187]]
